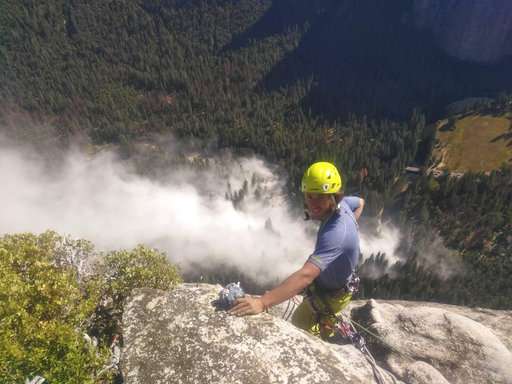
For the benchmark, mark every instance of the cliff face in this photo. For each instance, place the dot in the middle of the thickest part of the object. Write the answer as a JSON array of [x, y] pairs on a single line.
[[472, 30], [179, 337]]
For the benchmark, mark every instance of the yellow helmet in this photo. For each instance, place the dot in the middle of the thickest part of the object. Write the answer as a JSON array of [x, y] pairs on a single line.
[[321, 177]]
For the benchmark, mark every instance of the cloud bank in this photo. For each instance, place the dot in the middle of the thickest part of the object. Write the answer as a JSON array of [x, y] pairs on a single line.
[[188, 213]]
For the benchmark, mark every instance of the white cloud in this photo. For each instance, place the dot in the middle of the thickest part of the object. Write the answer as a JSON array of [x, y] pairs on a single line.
[[98, 198]]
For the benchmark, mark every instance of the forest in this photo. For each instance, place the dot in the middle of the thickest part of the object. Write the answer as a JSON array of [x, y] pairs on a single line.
[[290, 82], [348, 81]]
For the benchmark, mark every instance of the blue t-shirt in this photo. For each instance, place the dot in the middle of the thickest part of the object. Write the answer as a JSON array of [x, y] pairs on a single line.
[[337, 246]]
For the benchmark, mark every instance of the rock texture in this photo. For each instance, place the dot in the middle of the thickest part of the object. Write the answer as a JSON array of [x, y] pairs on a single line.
[[473, 30], [179, 337], [441, 343]]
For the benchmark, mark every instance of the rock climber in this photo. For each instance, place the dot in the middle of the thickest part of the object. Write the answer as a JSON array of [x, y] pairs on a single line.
[[328, 273]]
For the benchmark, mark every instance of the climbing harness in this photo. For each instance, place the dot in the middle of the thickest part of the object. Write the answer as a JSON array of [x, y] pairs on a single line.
[[228, 295], [342, 327], [312, 291], [319, 298]]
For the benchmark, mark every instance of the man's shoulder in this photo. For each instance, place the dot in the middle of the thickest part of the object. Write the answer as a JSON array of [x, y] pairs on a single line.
[[352, 202], [335, 226]]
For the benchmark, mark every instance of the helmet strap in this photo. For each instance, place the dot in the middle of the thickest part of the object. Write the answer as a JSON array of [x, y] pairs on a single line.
[[336, 199], [307, 216]]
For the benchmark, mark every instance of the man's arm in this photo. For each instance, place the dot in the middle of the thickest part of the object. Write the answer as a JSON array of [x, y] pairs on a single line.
[[292, 286], [359, 210]]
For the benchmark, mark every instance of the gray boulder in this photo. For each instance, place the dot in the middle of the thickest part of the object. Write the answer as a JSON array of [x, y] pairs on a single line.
[[179, 337], [420, 372], [436, 343]]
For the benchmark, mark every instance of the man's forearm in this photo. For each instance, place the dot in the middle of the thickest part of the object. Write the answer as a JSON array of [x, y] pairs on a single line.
[[359, 210], [292, 286]]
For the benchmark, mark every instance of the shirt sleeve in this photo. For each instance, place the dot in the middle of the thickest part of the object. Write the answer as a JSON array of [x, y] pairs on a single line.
[[327, 250], [352, 202]]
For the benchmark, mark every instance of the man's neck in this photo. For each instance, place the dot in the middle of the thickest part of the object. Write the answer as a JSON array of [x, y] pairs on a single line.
[[328, 215]]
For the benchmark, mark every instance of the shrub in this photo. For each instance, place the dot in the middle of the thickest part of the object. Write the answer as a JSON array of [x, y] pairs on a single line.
[[43, 310], [121, 272], [141, 267], [52, 297]]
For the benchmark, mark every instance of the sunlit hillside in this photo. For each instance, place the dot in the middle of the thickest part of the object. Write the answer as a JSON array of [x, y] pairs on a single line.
[[478, 143]]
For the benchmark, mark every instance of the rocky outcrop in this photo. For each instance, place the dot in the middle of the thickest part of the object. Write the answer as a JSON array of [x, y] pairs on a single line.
[[179, 337], [440, 343], [473, 30]]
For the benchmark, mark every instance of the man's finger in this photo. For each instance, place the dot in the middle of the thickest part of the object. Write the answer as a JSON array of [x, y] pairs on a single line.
[[239, 311], [237, 308], [239, 302], [233, 309]]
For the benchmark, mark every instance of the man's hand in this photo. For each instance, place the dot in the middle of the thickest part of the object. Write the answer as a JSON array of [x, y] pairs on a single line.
[[295, 283], [247, 306]]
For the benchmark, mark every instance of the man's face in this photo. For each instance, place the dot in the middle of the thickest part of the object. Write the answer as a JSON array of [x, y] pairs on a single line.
[[319, 205]]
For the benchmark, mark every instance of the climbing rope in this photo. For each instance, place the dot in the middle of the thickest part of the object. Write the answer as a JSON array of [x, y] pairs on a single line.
[[347, 330], [291, 305], [381, 340]]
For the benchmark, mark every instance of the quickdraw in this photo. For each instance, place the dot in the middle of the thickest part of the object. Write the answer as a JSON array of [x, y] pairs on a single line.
[[347, 331]]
